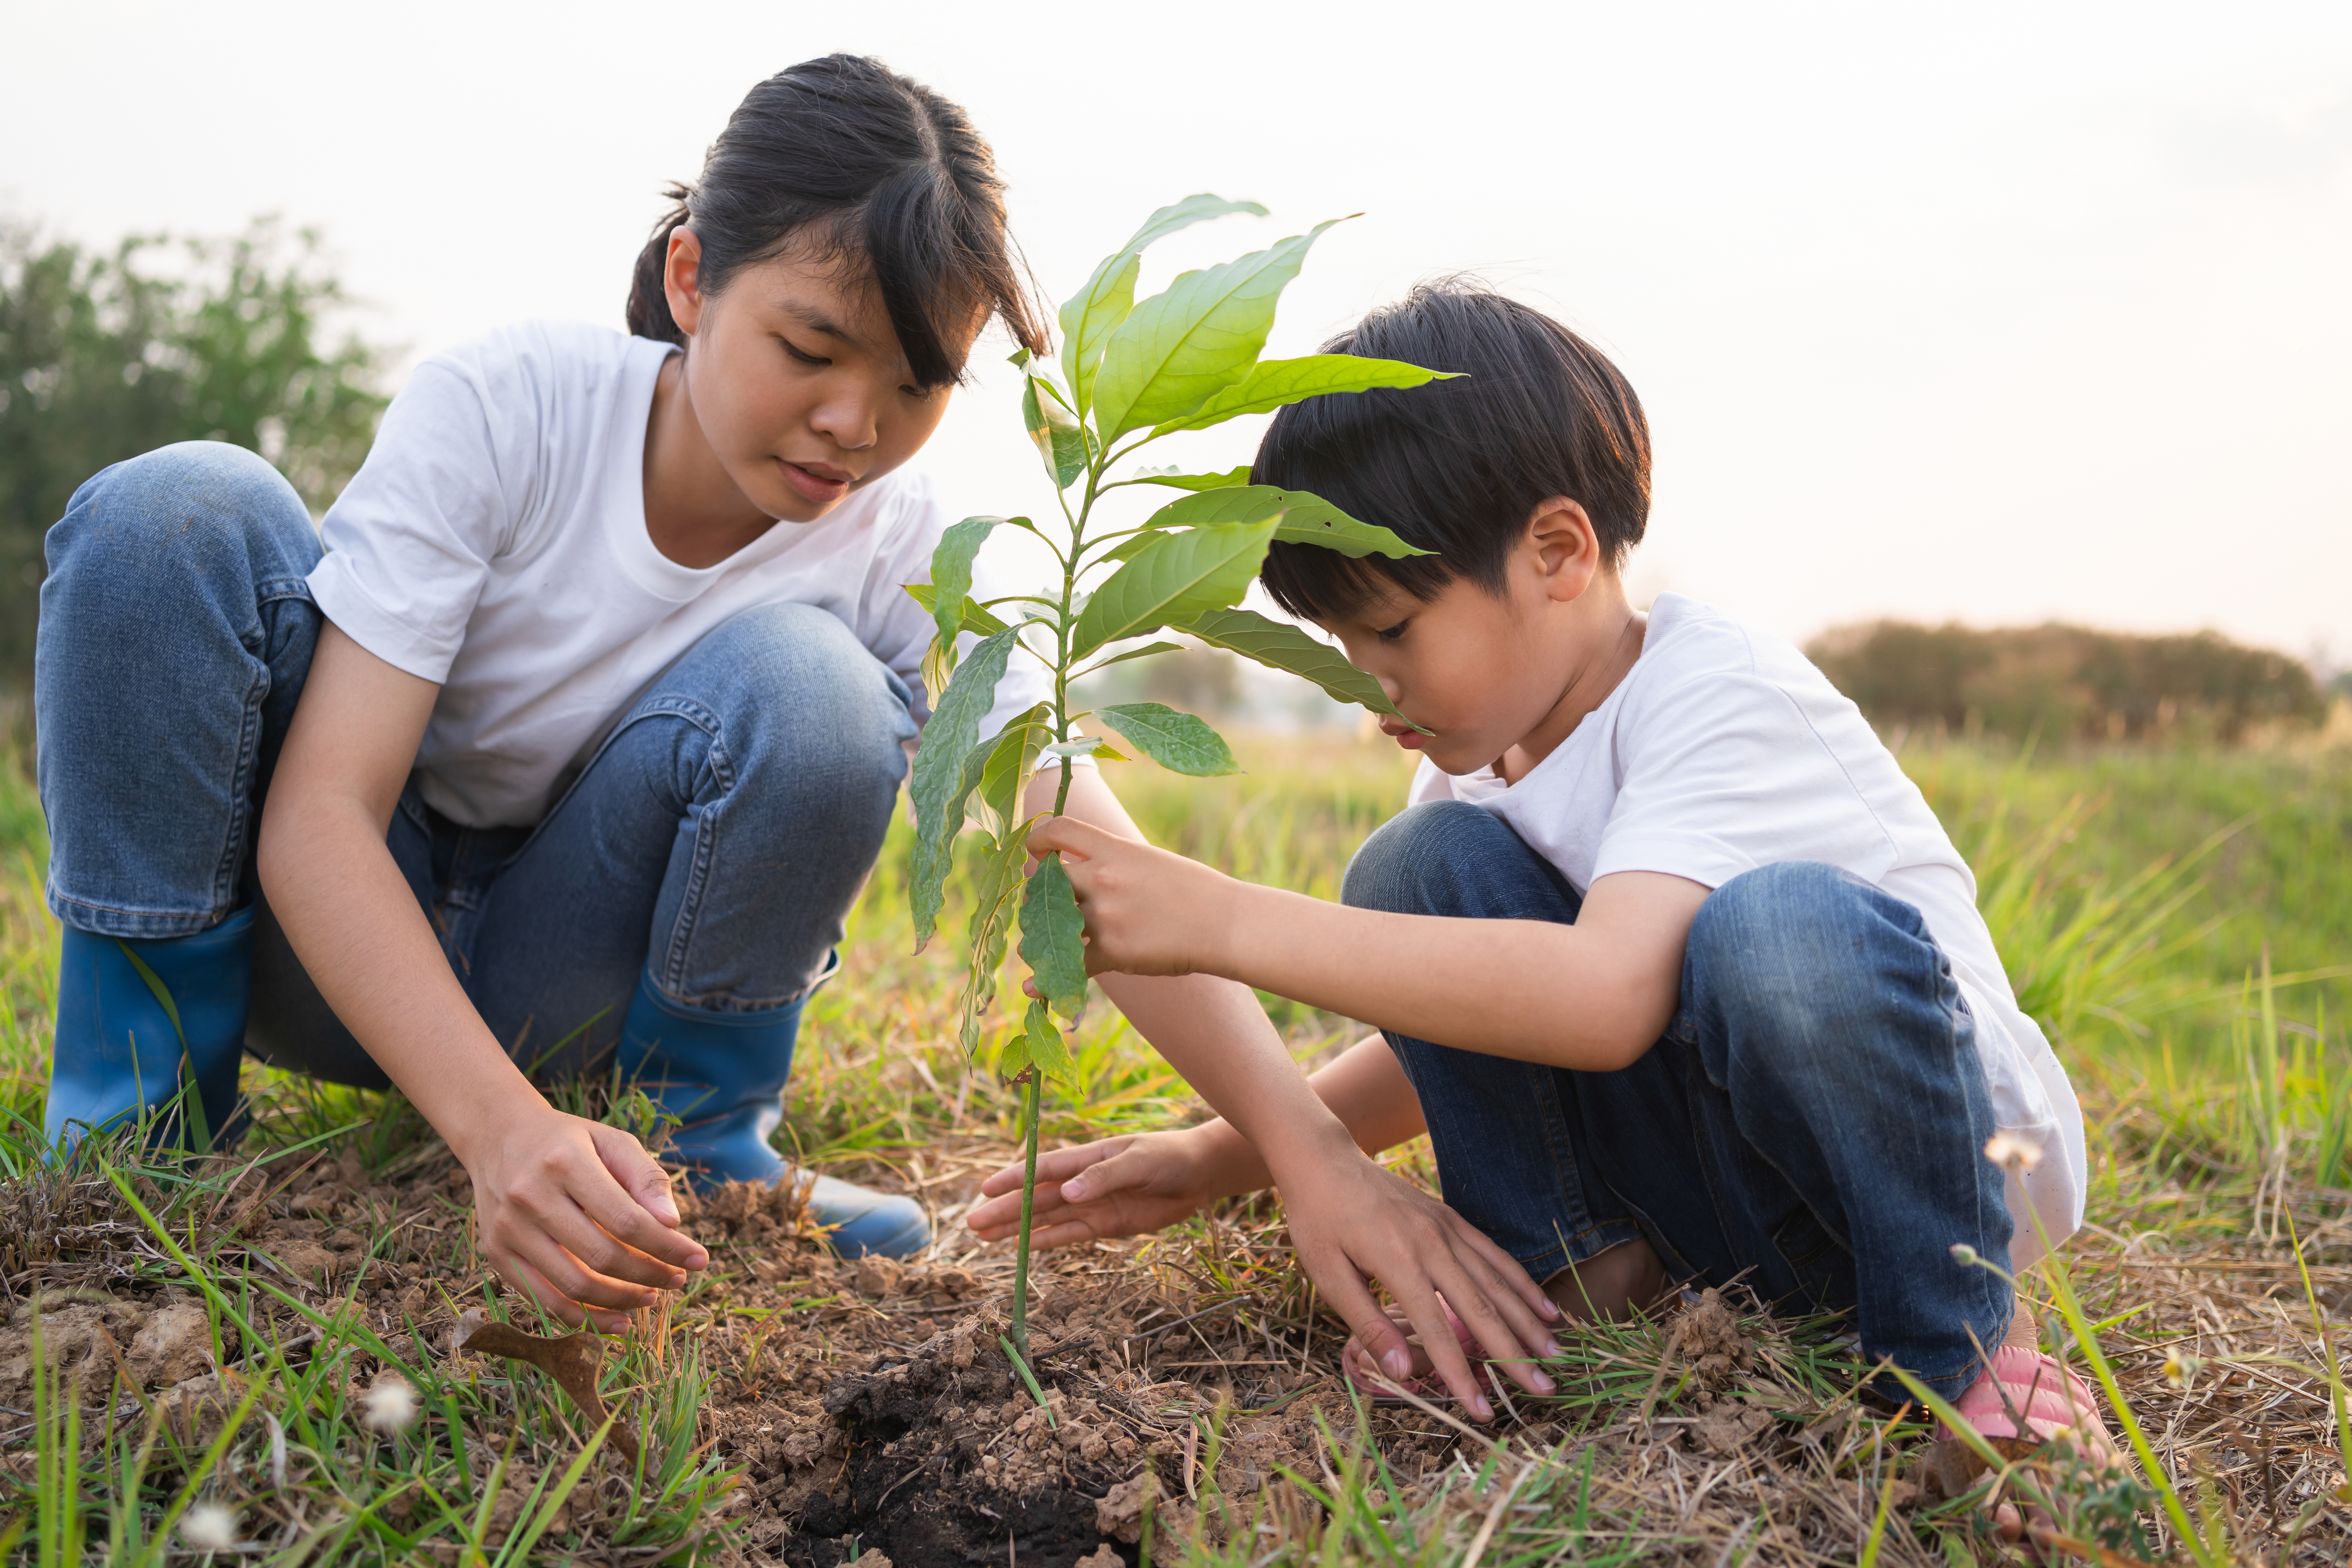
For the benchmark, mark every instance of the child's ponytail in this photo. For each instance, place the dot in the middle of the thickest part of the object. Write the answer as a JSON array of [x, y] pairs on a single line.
[[842, 156], [649, 314]]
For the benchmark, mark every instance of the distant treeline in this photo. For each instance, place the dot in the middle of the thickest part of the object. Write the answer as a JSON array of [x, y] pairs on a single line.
[[2064, 682]]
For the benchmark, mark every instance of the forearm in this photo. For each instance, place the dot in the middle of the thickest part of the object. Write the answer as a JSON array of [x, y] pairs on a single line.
[[356, 927], [1530, 990], [1211, 1030], [1365, 1088]]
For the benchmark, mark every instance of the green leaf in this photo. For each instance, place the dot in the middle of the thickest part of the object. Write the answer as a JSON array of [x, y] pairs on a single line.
[[951, 576], [1181, 347], [977, 617], [1304, 520], [1097, 310], [1277, 382], [1046, 1051], [1050, 927], [1174, 576], [996, 868], [1147, 649], [939, 774], [1284, 647], [1013, 1060], [1177, 742], [1175, 480], [1010, 758], [1055, 431]]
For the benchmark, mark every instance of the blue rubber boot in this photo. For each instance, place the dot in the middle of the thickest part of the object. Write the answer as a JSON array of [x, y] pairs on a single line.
[[120, 1045], [722, 1074]]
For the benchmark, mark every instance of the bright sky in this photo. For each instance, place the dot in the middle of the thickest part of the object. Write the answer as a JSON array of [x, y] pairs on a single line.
[[1997, 312]]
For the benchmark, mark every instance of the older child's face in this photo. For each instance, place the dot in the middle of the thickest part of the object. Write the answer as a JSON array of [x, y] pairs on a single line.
[[1488, 673], [798, 382]]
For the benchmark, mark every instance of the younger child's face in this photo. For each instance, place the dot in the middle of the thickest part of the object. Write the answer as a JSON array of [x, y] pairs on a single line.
[[1458, 665], [1486, 673]]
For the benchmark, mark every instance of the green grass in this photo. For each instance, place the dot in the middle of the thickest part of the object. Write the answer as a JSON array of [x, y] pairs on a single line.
[[2135, 894]]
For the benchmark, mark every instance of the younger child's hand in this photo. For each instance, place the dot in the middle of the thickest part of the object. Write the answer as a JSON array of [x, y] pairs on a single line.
[[1148, 911], [1094, 1192]]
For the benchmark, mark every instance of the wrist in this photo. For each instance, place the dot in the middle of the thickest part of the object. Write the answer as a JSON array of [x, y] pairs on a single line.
[[1224, 1164], [490, 1117], [1318, 1141]]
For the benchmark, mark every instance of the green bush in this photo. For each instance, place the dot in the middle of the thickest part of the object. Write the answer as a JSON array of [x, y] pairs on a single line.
[[2065, 682], [104, 356]]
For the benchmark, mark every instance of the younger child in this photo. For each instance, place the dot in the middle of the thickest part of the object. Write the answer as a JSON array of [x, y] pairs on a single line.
[[1675, 967]]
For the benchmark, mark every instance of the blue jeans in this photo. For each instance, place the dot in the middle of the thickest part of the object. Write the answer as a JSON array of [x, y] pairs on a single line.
[[716, 840], [1811, 1124]]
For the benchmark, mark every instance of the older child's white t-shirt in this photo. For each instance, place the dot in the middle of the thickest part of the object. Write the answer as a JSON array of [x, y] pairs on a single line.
[[494, 542], [1725, 750]]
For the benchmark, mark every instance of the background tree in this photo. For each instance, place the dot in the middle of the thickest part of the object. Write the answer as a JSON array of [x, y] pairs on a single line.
[[106, 355]]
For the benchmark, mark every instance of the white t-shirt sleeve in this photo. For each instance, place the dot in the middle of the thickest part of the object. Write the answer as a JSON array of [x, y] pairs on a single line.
[[410, 541], [1723, 773]]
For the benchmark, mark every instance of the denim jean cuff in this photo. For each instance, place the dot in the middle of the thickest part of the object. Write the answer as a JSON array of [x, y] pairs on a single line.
[[132, 925], [727, 1010]]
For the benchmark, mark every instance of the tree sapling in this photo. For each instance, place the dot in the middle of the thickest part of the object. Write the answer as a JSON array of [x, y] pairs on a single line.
[[1128, 373]]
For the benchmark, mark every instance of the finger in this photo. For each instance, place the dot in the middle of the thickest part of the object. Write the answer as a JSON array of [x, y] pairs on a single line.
[[632, 1202], [1005, 1212], [1126, 1168], [1513, 1273], [585, 1234], [1528, 1334], [556, 1252], [1503, 1347], [1056, 1164], [1426, 1313], [1066, 834], [559, 1306], [1377, 1335]]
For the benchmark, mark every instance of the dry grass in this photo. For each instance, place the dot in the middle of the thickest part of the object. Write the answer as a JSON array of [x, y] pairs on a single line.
[[337, 1253]]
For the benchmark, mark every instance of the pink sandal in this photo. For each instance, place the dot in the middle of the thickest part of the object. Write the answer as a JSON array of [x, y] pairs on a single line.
[[2023, 1380], [1367, 1378]]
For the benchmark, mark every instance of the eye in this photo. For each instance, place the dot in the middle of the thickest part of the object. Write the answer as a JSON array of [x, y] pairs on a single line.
[[800, 357], [1391, 634]]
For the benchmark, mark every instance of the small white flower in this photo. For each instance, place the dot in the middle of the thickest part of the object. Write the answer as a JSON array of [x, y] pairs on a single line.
[[1963, 1254], [208, 1527], [390, 1405], [2011, 1153], [2181, 1371]]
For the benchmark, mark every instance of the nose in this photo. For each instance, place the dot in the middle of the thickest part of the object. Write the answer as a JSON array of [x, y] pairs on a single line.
[[846, 415]]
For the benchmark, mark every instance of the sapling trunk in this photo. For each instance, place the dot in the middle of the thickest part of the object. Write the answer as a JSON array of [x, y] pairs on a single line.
[[1130, 372]]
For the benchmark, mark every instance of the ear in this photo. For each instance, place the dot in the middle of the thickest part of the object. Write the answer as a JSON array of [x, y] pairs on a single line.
[[682, 278], [1564, 548]]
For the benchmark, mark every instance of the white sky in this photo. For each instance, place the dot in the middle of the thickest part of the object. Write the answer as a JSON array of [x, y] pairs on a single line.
[[1997, 312]]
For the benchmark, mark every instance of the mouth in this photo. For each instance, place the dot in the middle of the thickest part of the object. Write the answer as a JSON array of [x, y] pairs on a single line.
[[818, 482], [1403, 735]]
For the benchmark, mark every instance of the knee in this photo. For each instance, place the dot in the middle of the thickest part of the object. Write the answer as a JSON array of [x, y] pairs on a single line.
[[184, 514], [1415, 863], [1800, 947], [792, 685]]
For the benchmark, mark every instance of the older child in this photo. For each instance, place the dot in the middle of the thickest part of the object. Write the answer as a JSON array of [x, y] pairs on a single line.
[[1677, 968], [585, 728]]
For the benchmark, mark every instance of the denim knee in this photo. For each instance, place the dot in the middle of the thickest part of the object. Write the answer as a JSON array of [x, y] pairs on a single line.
[[792, 685], [191, 516], [1428, 858], [1799, 948]]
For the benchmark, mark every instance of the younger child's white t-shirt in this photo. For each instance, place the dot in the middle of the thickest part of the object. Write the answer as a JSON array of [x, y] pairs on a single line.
[[1724, 749], [494, 542]]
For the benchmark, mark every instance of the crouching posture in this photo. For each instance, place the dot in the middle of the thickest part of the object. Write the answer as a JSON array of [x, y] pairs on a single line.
[[573, 743], [1678, 969]]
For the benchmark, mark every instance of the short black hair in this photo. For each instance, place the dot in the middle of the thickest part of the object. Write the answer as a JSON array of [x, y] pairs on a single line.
[[1457, 467]]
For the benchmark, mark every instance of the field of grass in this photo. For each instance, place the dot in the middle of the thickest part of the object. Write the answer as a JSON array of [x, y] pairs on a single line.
[[2140, 898]]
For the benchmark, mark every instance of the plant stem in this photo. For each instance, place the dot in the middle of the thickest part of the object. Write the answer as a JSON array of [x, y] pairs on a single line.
[[1020, 1335]]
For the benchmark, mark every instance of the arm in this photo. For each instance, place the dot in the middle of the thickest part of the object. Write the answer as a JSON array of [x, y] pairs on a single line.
[[1350, 1220], [1592, 996], [573, 1211]]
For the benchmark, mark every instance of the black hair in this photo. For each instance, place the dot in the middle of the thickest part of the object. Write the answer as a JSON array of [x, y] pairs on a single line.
[[875, 170], [1457, 467]]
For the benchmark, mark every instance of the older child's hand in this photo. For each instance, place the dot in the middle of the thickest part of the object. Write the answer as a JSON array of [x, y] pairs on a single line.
[[1094, 1192], [1148, 911], [579, 1215]]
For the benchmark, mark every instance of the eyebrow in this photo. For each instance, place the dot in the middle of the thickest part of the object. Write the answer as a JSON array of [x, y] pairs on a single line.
[[816, 321]]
